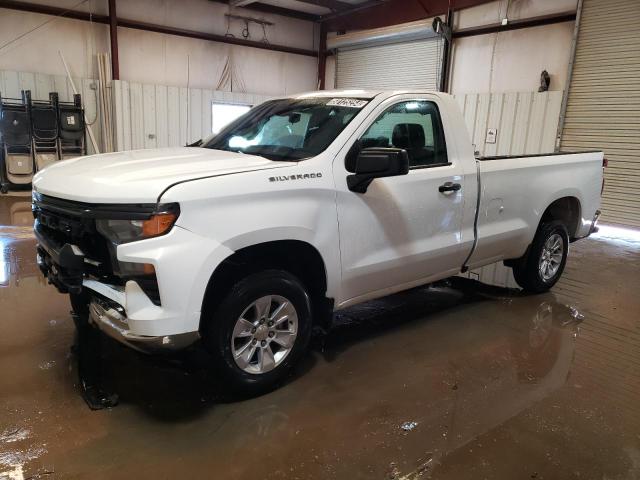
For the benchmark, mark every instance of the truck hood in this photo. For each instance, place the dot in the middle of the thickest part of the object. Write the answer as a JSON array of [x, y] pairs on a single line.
[[140, 176]]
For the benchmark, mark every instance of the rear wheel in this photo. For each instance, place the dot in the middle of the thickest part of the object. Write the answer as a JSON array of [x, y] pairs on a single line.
[[542, 266], [259, 331]]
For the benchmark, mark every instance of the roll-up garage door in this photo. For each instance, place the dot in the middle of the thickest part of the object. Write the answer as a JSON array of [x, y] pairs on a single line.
[[413, 64], [603, 108]]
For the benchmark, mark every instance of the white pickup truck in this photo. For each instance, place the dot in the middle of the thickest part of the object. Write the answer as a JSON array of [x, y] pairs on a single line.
[[302, 206]]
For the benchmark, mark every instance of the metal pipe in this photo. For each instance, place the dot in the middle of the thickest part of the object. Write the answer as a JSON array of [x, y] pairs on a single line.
[[444, 72], [55, 11], [113, 36], [75, 92], [212, 37], [322, 57], [516, 24], [565, 93]]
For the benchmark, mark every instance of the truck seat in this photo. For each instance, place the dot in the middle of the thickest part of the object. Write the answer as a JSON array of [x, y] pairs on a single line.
[[410, 137]]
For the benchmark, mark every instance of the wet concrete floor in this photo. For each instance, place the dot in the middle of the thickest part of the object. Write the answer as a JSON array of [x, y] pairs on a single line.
[[458, 381]]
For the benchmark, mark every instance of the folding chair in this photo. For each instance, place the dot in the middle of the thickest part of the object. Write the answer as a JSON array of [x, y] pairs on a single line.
[[44, 130], [16, 149], [71, 128]]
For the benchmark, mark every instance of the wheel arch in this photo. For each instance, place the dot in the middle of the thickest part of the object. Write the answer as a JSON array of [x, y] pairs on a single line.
[[297, 257], [566, 209]]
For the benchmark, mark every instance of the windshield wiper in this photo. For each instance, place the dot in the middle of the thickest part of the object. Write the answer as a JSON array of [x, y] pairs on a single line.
[[255, 154]]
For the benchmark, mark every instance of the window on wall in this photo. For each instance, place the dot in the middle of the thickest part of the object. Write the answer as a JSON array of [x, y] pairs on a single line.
[[222, 114]]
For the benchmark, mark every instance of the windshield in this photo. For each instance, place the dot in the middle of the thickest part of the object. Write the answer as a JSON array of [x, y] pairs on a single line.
[[290, 129]]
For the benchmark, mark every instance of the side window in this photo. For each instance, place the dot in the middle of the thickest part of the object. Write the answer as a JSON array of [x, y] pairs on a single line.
[[414, 126]]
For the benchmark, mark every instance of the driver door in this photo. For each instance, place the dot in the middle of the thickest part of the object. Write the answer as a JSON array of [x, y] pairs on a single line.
[[403, 231]]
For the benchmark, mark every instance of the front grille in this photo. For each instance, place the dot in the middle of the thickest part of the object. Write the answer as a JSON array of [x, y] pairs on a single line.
[[73, 226], [65, 221]]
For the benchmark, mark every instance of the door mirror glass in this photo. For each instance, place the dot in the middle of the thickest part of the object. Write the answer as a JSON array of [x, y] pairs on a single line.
[[372, 163]]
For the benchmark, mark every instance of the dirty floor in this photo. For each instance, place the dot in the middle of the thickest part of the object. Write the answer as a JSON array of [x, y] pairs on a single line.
[[457, 381]]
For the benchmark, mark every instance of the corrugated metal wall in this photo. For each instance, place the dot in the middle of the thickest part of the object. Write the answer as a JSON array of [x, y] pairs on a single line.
[[603, 108], [145, 116], [526, 122], [150, 116], [40, 84], [414, 64]]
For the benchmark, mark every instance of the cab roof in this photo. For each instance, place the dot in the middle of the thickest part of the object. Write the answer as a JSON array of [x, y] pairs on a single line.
[[367, 94]]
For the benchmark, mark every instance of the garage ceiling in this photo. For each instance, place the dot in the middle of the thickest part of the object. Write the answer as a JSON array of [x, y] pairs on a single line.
[[314, 7], [347, 14]]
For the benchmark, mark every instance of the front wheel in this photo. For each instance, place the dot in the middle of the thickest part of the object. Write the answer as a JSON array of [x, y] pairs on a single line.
[[542, 266], [259, 331]]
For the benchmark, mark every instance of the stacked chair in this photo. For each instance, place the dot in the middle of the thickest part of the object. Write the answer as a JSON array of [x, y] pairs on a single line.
[[71, 128], [16, 161], [44, 130], [35, 134]]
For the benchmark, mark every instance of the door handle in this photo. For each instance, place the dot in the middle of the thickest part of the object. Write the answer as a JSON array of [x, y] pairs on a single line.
[[449, 187]]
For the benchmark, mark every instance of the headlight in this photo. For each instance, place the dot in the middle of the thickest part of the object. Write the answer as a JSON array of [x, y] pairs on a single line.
[[123, 231]]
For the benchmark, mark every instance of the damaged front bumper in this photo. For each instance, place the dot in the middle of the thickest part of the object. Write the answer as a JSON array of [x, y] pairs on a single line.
[[64, 264], [110, 318], [61, 264]]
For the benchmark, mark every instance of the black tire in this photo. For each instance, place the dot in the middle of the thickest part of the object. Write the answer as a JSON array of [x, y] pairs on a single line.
[[219, 322], [526, 270]]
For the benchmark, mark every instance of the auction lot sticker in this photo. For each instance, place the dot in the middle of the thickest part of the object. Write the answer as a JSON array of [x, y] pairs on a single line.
[[347, 102]]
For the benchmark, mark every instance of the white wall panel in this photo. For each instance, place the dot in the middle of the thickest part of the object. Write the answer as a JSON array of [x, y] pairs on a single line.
[[149, 116], [494, 117], [194, 127], [40, 84], [207, 98], [526, 122], [136, 104], [506, 123], [481, 122], [126, 119], [173, 121], [44, 85]]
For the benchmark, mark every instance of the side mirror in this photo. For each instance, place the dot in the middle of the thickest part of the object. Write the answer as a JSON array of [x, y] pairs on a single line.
[[373, 163]]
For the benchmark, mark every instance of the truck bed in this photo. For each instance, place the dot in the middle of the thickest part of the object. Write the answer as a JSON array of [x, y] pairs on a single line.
[[507, 157], [517, 189]]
